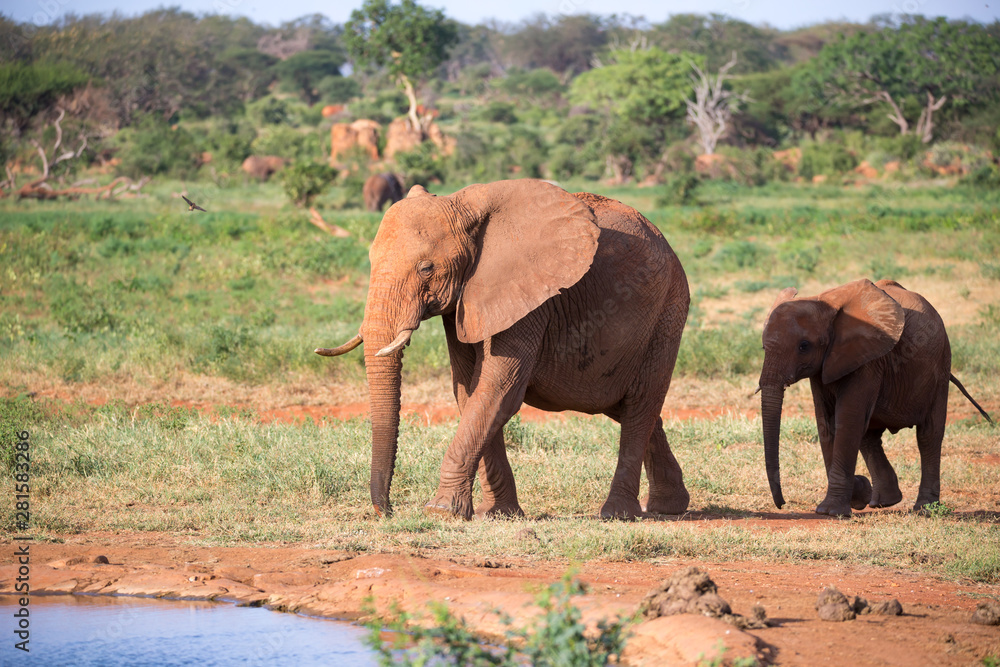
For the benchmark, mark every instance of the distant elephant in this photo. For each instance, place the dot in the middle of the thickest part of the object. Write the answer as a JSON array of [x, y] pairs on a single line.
[[877, 357], [382, 188], [262, 167], [561, 301]]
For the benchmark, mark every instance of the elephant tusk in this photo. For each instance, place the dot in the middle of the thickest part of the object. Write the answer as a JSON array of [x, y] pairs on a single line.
[[756, 391], [337, 351], [401, 340]]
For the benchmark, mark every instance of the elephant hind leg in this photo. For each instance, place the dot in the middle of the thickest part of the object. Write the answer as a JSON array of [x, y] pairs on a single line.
[[885, 484], [667, 493], [623, 498], [497, 481], [929, 437]]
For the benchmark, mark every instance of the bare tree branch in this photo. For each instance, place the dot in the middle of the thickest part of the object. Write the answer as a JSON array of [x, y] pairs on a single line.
[[712, 108]]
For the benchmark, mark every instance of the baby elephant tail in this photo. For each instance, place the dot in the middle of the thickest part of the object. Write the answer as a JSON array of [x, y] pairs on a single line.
[[971, 400]]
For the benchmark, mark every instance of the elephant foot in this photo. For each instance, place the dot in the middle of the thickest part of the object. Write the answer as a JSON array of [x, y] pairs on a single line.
[[450, 506], [834, 507], [662, 504], [886, 497], [925, 499], [618, 508], [492, 509], [862, 494]]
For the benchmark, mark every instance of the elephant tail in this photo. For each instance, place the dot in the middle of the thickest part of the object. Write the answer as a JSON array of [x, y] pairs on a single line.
[[971, 400]]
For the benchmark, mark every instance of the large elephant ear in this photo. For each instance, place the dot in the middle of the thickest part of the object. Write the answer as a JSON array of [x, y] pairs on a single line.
[[867, 325], [532, 240]]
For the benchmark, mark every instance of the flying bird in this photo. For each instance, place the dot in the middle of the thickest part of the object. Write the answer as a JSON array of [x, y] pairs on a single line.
[[192, 206]]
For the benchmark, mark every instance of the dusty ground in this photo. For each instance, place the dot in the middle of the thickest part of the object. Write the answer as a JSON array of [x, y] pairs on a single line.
[[935, 627]]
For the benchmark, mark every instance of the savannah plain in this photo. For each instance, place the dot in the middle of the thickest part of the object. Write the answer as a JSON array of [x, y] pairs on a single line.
[[181, 426]]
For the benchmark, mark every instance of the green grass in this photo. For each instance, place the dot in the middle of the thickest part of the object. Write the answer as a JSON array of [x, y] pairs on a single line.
[[140, 289], [234, 480], [139, 292]]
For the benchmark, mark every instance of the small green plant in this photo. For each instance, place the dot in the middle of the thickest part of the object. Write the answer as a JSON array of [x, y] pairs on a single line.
[[556, 637], [938, 510], [991, 661], [304, 181]]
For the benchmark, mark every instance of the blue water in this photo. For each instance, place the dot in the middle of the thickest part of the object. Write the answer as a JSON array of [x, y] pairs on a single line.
[[99, 630]]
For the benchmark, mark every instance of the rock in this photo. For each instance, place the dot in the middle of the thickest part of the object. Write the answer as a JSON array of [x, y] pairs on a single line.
[[861, 606], [691, 591], [987, 613], [689, 640], [400, 137], [888, 608], [866, 170], [345, 137], [103, 560], [832, 605]]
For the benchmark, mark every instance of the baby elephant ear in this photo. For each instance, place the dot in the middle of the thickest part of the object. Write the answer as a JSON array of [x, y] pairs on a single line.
[[868, 324], [532, 240]]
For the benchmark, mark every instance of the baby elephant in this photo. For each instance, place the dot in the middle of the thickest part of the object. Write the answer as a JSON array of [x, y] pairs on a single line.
[[877, 357], [382, 188]]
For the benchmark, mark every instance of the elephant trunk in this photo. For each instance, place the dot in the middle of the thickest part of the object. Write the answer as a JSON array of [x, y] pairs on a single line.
[[771, 398], [384, 373]]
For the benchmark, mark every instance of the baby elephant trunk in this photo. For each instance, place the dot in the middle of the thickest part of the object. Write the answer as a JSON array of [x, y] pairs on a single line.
[[771, 398]]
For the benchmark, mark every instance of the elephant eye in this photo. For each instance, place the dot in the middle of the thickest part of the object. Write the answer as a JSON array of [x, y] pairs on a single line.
[[425, 268], [804, 346]]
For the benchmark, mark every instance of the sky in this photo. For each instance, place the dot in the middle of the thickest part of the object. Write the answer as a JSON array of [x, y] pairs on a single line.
[[783, 14]]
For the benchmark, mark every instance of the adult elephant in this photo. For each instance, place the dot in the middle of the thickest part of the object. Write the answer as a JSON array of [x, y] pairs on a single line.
[[382, 188], [565, 302], [877, 357]]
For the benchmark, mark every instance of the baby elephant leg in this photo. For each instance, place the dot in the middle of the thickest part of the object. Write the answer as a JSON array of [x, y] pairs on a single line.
[[885, 484]]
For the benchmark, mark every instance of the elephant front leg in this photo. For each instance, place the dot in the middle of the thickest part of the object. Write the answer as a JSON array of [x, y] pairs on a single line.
[[885, 484], [667, 493], [497, 481], [844, 489], [502, 374]]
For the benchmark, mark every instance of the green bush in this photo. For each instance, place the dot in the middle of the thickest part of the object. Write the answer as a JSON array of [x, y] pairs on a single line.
[[422, 165], [986, 176], [304, 181], [268, 111], [827, 159], [498, 112], [287, 142], [151, 147], [338, 89], [679, 190]]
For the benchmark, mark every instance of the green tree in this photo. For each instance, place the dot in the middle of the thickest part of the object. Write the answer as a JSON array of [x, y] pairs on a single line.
[[919, 64], [303, 72], [567, 44], [640, 93], [406, 39], [27, 89], [716, 37], [645, 86]]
